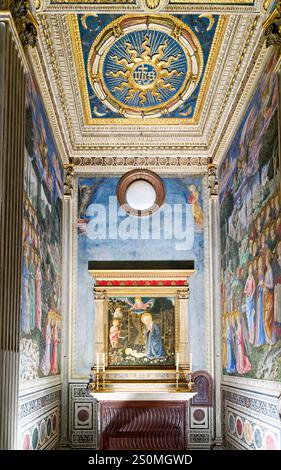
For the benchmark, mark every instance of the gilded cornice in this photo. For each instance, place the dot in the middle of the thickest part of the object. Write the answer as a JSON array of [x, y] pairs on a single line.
[[239, 104], [139, 6], [92, 148], [41, 73], [193, 139], [252, 29]]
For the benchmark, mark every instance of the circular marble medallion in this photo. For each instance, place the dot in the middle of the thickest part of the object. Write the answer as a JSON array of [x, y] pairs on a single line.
[[231, 423], [43, 431], [35, 438], [54, 422], [248, 432], [49, 426], [258, 437], [269, 441], [26, 441], [239, 427], [83, 415]]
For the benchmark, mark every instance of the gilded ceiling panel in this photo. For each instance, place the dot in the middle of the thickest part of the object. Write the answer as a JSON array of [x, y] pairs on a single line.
[[145, 69]]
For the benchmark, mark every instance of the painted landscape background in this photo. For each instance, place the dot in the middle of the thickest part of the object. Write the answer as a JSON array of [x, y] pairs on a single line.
[[128, 342]]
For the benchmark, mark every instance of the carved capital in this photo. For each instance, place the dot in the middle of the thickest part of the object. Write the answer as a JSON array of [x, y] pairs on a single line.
[[213, 180], [183, 294], [272, 28], [99, 294], [68, 180], [24, 21]]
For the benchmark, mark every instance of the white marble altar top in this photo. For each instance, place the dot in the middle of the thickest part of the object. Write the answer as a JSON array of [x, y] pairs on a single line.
[[143, 396]]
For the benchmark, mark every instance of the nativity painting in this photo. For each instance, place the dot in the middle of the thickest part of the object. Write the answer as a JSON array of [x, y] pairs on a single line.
[[141, 331]]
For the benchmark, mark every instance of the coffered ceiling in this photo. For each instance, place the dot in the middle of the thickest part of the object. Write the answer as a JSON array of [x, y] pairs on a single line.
[[148, 77]]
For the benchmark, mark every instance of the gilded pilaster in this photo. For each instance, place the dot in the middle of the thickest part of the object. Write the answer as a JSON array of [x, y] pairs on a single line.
[[215, 295]]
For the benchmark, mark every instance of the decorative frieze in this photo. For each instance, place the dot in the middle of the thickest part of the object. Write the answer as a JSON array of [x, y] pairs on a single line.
[[140, 161]]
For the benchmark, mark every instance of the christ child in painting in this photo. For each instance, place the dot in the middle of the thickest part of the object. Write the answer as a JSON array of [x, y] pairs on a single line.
[[114, 333], [154, 348]]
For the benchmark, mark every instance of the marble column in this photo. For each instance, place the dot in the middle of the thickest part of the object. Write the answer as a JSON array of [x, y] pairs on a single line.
[[215, 297], [13, 69], [67, 296]]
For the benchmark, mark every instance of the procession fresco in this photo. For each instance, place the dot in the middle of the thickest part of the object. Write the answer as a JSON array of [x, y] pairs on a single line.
[[40, 336], [141, 331], [250, 225], [106, 232]]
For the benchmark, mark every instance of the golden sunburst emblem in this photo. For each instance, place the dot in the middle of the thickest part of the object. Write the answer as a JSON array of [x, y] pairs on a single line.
[[145, 72], [145, 66]]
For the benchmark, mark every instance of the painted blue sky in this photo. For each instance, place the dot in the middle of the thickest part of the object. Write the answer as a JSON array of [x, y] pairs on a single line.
[[177, 192]]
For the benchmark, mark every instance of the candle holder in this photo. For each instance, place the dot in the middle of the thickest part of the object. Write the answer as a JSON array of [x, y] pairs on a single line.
[[177, 379], [189, 381], [97, 380]]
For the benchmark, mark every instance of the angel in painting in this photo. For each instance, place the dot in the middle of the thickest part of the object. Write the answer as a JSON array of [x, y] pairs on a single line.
[[197, 211], [139, 306]]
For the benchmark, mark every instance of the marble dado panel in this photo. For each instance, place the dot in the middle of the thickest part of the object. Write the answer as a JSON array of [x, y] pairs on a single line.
[[199, 432], [251, 420], [39, 419], [83, 428], [83, 423]]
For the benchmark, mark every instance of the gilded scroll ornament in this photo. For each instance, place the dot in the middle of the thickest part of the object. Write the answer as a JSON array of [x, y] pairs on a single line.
[[272, 27], [213, 180], [99, 294], [183, 294], [68, 180], [24, 21]]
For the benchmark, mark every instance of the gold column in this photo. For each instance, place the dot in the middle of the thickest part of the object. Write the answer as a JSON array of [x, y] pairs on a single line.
[[100, 302], [183, 297]]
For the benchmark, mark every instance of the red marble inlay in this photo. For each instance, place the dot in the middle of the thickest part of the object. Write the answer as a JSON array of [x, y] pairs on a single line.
[[199, 415], [26, 442], [239, 427], [270, 442], [83, 415], [54, 422]]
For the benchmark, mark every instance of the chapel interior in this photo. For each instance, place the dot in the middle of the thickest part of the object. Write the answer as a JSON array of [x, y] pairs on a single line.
[[140, 224]]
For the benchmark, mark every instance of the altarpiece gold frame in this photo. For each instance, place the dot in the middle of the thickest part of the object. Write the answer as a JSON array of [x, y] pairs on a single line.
[[179, 289]]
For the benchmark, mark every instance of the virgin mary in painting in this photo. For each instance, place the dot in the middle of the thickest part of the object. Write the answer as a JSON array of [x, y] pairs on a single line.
[[154, 347]]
